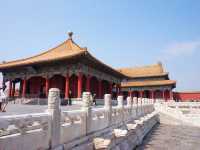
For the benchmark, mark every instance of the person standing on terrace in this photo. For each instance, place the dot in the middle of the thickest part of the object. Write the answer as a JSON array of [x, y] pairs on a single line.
[[2, 98]]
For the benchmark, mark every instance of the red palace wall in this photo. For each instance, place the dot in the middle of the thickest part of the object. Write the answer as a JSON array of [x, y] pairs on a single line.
[[187, 96]]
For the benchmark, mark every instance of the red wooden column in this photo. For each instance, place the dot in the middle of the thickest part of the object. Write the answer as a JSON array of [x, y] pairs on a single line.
[[88, 83], [80, 84], [13, 89], [133, 93], [171, 95], [10, 88], [130, 93], [110, 88], [20, 89], [141, 94], [67, 86], [163, 94], [118, 89], [47, 87], [152, 96], [24, 88], [100, 89], [120, 92]]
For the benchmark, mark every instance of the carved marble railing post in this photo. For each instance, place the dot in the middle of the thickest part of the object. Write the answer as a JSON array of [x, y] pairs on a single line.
[[87, 107], [135, 106], [147, 107], [143, 106], [108, 107], [152, 101], [139, 106], [129, 103], [54, 110], [135, 101], [149, 101], [146, 100], [120, 105], [120, 102]]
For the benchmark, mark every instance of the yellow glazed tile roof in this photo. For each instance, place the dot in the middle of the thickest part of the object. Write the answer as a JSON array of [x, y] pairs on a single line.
[[64, 50], [148, 83], [145, 71]]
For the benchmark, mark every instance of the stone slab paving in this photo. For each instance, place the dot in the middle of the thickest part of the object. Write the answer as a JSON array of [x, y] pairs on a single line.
[[172, 137]]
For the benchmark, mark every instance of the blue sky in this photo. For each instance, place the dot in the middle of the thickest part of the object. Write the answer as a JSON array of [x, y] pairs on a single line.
[[120, 33]]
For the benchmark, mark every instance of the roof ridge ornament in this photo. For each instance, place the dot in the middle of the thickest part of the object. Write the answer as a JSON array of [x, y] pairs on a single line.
[[70, 34], [161, 66]]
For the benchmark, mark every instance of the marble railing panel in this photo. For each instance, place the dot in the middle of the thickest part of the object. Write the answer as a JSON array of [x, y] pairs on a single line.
[[73, 125], [117, 115], [23, 123], [99, 120], [31, 131]]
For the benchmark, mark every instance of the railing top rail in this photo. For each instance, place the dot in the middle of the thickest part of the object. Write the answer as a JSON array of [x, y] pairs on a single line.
[[73, 113], [32, 115], [98, 109], [116, 107], [183, 103]]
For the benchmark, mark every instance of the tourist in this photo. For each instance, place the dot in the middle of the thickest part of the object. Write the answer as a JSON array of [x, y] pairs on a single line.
[[94, 99], [2, 98], [70, 96]]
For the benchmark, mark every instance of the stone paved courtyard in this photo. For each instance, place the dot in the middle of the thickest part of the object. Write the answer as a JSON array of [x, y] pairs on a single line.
[[172, 137]]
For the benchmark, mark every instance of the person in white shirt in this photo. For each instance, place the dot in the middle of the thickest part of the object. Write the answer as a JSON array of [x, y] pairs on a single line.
[[2, 97]]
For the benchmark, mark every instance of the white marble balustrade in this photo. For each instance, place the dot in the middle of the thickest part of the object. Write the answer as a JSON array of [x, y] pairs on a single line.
[[48, 130]]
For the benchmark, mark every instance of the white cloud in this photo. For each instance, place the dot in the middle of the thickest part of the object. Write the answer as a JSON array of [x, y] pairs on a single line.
[[181, 48], [174, 55]]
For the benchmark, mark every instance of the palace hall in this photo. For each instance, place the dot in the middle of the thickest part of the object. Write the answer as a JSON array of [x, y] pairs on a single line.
[[69, 67], [148, 81], [74, 70]]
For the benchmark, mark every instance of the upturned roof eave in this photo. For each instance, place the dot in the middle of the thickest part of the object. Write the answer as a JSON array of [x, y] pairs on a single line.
[[149, 75], [121, 75], [148, 85], [41, 62], [83, 53]]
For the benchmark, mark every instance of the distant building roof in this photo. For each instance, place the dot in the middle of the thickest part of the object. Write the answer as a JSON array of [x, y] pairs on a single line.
[[148, 83], [145, 71]]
